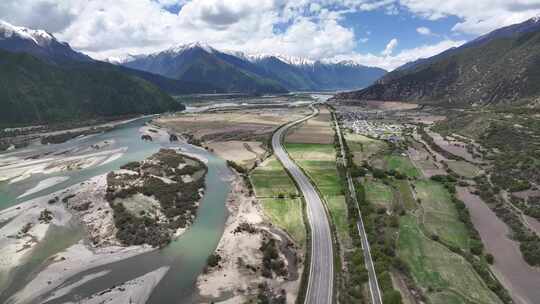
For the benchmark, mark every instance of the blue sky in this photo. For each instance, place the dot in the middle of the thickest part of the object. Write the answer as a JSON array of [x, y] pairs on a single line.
[[384, 33], [379, 28]]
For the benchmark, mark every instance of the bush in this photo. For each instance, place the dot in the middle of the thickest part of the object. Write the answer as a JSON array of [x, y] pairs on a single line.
[[392, 297], [489, 258], [271, 259], [45, 216], [378, 173], [213, 260]]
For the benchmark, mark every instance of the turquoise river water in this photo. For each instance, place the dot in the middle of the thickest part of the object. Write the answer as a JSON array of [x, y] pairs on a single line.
[[186, 255]]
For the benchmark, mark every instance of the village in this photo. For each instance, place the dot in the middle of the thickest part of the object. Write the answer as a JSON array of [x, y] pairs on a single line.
[[374, 125]]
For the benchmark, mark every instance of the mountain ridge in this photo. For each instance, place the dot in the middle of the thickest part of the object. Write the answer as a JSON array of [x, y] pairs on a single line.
[[289, 72], [39, 43], [43, 80], [502, 66]]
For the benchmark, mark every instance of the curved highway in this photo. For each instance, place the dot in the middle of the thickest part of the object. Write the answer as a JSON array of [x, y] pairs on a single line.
[[321, 274]]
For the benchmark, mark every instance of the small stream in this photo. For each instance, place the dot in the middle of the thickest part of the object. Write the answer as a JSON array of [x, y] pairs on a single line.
[[186, 256]]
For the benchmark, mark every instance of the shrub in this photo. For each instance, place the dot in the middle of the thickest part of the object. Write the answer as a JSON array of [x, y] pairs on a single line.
[[489, 258], [213, 260]]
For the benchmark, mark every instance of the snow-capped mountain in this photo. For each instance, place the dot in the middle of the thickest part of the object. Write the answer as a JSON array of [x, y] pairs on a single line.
[[39, 37], [36, 42], [188, 62], [199, 62], [292, 60], [300, 73]]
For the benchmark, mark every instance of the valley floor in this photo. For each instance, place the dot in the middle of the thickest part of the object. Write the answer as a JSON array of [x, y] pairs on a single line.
[[423, 186]]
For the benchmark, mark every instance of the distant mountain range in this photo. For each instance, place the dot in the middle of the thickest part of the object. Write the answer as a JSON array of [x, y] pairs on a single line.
[[500, 67], [44, 80], [239, 72]]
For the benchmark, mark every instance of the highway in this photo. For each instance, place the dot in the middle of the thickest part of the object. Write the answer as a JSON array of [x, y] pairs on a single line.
[[321, 272], [373, 282]]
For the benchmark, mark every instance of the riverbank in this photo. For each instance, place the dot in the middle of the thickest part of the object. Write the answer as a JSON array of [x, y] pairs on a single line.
[[11, 138], [103, 214], [237, 273], [66, 264], [137, 290], [18, 166], [28, 224]]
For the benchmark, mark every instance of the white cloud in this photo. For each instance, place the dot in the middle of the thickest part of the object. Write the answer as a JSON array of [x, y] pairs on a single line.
[[390, 47], [105, 28], [311, 28], [49, 14], [478, 16], [424, 31], [390, 62]]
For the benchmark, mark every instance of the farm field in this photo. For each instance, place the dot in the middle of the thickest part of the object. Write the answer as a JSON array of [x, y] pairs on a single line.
[[270, 180], [423, 160], [427, 228], [378, 193], [448, 277], [247, 124], [439, 215], [363, 147], [287, 214], [463, 168], [277, 194], [238, 135], [316, 130], [401, 164], [405, 194], [319, 162]]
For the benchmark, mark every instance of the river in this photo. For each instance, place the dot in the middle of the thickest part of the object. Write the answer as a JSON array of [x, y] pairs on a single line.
[[186, 255]]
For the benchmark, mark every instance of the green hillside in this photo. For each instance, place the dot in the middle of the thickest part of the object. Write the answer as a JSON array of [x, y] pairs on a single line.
[[32, 91]]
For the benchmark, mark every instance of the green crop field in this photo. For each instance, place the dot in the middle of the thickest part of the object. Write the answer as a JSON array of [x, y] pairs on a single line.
[[439, 270], [287, 215], [439, 214], [379, 194], [401, 164], [319, 162], [338, 211], [271, 180], [405, 194], [316, 152]]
